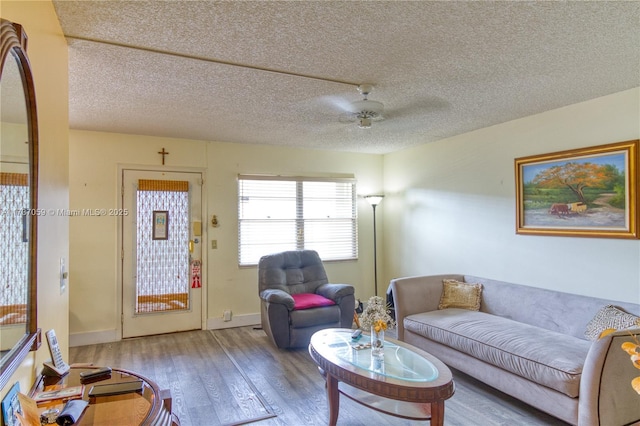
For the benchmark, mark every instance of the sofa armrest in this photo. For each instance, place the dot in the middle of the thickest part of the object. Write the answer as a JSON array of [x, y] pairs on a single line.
[[413, 295], [606, 395], [335, 292], [278, 296]]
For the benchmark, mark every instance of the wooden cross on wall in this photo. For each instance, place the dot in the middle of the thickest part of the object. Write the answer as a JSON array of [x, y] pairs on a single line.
[[163, 153]]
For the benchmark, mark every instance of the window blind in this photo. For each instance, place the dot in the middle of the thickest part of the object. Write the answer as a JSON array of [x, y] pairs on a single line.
[[163, 185], [14, 179], [294, 213]]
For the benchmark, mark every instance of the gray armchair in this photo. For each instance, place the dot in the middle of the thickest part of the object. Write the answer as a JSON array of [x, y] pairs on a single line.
[[296, 298]]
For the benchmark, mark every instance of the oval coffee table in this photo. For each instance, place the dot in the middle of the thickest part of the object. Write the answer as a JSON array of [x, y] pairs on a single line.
[[408, 383]]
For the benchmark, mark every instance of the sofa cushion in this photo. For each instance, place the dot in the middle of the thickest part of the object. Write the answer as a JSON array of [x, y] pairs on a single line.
[[609, 317], [545, 357], [456, 294], [310, 300]]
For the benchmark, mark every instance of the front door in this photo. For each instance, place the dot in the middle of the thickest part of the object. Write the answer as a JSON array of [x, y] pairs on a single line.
[[161, 252]]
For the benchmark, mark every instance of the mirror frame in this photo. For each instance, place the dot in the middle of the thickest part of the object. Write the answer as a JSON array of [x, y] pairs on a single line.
[[13, 46]]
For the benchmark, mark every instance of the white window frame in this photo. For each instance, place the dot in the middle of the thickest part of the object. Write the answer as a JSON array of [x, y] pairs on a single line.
[[265, 235]]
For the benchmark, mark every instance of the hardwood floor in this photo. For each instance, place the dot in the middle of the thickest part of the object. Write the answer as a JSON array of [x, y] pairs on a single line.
[[208, 389]]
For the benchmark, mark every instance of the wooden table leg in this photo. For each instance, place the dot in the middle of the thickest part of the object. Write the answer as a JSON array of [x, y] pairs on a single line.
[[437, 413], [333, 397]]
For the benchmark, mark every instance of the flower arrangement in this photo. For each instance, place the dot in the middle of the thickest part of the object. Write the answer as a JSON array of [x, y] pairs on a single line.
[[633, 349], [377, 315]]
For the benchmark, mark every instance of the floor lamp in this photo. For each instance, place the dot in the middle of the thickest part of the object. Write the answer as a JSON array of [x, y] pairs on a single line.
[[374, 200]]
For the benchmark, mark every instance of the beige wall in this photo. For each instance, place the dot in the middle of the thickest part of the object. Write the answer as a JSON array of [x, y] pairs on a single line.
[[96, 160], [48, 55], [449, 208], [450, 205]]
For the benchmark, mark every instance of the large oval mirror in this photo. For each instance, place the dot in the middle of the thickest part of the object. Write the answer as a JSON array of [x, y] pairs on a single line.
[[19, 331]]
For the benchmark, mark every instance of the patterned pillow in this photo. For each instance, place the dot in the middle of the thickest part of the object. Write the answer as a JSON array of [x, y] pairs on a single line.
[[456, 294], [609, 317]]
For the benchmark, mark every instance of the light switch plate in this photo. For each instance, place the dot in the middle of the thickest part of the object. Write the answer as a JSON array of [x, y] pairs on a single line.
[[63, 276]]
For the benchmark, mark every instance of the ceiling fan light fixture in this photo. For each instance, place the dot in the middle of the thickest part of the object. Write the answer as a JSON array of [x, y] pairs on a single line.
[[364, 123], [367, 108], [364, 111]]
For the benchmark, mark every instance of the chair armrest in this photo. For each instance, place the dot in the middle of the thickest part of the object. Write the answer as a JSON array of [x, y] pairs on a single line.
[[335, 292], [606, 395], [278, 296]]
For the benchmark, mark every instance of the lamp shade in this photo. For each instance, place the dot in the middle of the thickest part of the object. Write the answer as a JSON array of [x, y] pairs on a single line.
[[374, 200]]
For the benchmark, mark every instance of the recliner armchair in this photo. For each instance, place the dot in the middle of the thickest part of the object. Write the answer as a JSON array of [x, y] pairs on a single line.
[[296, 298]]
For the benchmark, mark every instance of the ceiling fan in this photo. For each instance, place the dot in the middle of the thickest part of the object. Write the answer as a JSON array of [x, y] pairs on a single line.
[[365, 111]]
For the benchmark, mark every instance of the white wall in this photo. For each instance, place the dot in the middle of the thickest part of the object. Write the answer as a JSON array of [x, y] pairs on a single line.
[[450, 205], [95, 159], [48, 55]]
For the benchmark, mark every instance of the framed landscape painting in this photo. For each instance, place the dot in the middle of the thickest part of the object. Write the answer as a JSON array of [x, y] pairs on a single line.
[[587, 192]]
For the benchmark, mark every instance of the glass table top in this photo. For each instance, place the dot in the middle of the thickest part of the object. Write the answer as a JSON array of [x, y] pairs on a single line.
[[398, 362]]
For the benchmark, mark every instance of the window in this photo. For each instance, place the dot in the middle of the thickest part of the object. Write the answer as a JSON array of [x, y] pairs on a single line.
[[278, 213], [162, 264], [14, 198]]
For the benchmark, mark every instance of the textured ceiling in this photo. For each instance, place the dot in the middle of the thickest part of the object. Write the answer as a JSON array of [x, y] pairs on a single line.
[[439, 68]]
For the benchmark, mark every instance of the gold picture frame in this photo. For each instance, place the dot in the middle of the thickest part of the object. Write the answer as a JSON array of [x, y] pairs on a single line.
[[587, 192]]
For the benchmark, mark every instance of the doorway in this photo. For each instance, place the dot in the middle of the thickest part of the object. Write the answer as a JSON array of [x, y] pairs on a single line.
[[161, 252]]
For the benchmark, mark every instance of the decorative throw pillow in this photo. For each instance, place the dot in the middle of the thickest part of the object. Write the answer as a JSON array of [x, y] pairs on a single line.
[[609, 316], [456, 294], [310, 300]]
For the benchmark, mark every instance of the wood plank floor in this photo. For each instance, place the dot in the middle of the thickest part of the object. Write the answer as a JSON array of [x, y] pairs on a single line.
[[208, 389]]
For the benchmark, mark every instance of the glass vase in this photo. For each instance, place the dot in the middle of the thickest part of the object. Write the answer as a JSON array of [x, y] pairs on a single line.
[[377, 343]]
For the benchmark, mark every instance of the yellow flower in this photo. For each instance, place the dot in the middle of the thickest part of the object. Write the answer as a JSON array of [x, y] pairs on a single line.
[[376, 313], [379, 325]]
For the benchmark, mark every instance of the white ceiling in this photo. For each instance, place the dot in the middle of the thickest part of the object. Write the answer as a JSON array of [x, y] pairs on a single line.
[[441, 68]]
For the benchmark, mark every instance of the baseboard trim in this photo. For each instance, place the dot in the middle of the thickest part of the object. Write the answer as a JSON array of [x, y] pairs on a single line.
[[93, 338], [108, 336], [236, 321]]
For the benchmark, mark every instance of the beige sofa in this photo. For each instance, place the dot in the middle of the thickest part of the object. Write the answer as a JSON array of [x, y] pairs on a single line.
[[527, 342]]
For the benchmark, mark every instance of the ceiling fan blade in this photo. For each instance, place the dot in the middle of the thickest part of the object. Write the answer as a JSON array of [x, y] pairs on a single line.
[[420, 107], [336, 102], [347, 117]]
